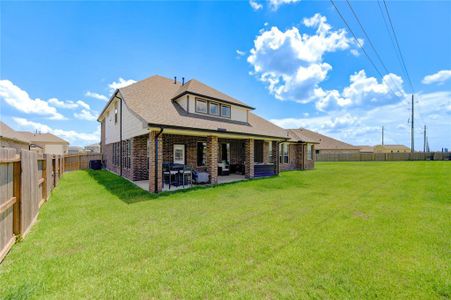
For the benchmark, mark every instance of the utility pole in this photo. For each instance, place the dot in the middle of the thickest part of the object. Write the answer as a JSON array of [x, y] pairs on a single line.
[[424, 139], [412, 146], [382, 135]]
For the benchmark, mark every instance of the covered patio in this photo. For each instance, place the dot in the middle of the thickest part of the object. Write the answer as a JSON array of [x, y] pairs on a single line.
[[178, 159]]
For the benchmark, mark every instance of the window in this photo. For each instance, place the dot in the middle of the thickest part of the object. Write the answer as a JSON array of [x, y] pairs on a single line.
[[115, 113], [225, 111], [270, 158], [128, 154], [201, 153], [179, 154], [309, 152], [283, 153], [225, 152], [258, 151], [148, 154], [116, 154], [213, 108], [201, 106]]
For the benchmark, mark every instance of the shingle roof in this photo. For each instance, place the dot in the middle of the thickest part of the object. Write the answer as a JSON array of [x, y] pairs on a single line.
[[391, 147], [151, 99], [365, 148], [43, 138], [296, 135], [9, 133], [324, 142], [196, 87]]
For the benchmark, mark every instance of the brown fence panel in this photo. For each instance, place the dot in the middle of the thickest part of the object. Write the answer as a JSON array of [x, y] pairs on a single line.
[[30, 198], [395, 156], [73, 162], [7, 200], [56, 173]]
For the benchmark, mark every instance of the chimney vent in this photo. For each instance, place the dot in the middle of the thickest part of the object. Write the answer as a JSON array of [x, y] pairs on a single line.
[[183, 80], [175, 79]]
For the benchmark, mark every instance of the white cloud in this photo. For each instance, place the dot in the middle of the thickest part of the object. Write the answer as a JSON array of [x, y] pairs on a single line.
[[255, 5], [120, 83], [20, 100], [362, 126], [275, 4], [83, 104], [240, 53], [291, 63], [70, 135], [87, 115], [62, 104], [96, 96], [439, 77]]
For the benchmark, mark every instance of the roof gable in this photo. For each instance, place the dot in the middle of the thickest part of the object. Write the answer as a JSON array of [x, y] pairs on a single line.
[[152, 100], [198, 88]]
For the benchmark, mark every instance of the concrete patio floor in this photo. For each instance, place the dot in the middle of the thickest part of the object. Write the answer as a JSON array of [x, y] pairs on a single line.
[[144, 184]]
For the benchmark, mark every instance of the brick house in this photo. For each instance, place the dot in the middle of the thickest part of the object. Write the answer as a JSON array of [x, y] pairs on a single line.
[[158, 121]]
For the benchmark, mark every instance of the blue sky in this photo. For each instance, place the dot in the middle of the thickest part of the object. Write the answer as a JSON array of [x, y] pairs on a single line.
[[296, 62]]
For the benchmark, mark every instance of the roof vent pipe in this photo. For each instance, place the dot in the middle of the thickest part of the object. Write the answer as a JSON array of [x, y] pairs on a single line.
[[175, 79], [183, 80]]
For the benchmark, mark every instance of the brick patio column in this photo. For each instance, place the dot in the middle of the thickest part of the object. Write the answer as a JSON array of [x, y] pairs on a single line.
[[275, 156], [212, 158], [249, 158], [155, 160]]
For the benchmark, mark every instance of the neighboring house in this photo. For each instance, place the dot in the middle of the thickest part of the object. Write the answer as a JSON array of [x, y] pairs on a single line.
[[366, 149], [46, 143], [159, 120], [75, 150], [94, 148], [9, 138], [391, 149], [298, 152], [327, 144]]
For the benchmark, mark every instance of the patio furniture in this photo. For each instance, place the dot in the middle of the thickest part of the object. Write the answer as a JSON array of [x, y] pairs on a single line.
[[201, 177], [237, 169], [177, 175], [223, 168]]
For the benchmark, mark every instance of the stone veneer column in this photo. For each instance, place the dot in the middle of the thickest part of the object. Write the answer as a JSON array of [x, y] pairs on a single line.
[[155, 160], [275, 156], [212, 158], [249, 158]]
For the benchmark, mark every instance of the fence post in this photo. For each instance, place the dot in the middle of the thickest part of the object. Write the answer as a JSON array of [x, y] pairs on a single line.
[[79, 162], [54, 170], [17, 208], [44, 175]]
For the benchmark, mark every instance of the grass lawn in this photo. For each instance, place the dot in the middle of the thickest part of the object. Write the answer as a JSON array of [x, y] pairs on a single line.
[[344, 230]]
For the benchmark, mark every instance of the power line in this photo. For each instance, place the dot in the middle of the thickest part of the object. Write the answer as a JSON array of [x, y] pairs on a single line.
[[390, 35], [372, 46], [399, 48], [358, 43]]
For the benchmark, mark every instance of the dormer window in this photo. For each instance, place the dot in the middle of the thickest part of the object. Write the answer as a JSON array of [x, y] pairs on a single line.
[[213, 108], [225, 111], [201, 106]]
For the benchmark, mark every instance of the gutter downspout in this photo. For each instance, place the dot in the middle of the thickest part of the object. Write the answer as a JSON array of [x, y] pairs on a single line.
[[156, 158]]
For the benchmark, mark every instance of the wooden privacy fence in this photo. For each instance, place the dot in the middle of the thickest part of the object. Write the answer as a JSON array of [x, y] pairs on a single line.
[[73, 162], [26, 180], [383, 156]]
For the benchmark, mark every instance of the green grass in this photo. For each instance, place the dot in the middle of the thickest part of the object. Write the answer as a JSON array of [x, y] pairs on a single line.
[[344, 230]]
